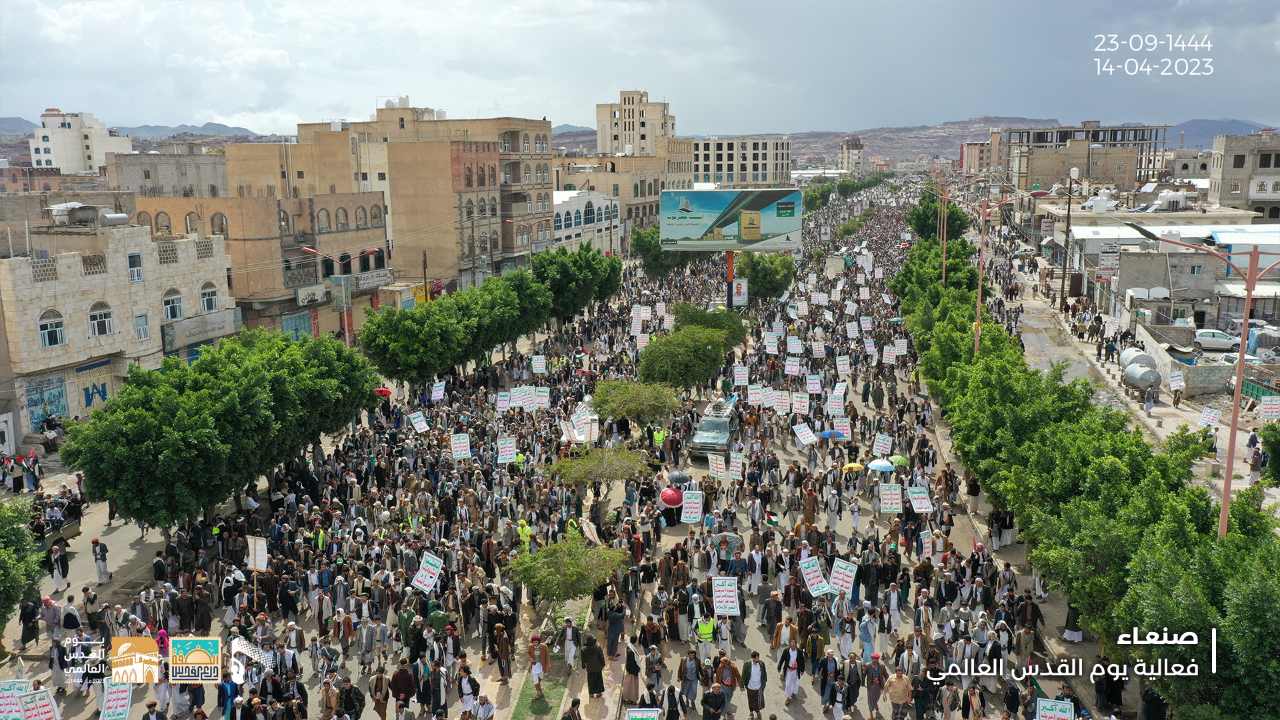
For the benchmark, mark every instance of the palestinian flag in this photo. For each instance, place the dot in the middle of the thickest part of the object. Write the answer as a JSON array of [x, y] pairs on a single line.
[[771, 518]]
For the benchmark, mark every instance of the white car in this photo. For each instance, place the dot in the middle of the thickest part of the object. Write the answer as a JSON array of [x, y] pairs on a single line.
[[1216, 340], [1233, 358]]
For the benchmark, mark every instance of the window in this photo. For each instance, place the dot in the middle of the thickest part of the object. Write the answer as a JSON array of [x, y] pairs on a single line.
[[471, 211], [1235, 188], [172, 305], [615, 194], [364, 262], [208, 298], [143, 219], [51, 334], [558, 226], [1275, 186], [525, 144], [326, 266], [375, 216], [340, 218], [344, 262], [467, 181], [493, 175], [382, 176], [218, 224], [577, 218], [163, 225], [939, 212], [1237, 161], [1194, 269], [100, 320], [1264, 161], [135, 267], [192, 222], [146, 175], [283, 218], [141, 329], [45, 138], [380, 258], [322, 220], [1262, 187], [301, 176], [493, 207], [589, 217]]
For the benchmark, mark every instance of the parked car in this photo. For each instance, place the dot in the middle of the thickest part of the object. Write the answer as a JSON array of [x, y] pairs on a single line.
[[1209, 339], [1231, 358]]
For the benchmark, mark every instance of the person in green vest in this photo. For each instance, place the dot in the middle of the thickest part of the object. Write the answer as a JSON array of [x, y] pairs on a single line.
[[524, 531], [706, 631]]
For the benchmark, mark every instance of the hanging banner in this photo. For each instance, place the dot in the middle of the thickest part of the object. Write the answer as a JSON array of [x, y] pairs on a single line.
[[460, 445], [740, 293], [890, 498], [724, 596], [691, 507], [843, 575], [428, 573], [506, 450], [811, 571], [919, 498]]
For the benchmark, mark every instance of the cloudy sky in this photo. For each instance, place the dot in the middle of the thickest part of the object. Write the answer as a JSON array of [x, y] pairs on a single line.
[[725, 65]]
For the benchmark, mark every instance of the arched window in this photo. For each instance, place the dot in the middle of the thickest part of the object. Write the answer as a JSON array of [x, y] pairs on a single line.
[[482, 209], [1275, 186], [526, 173], [326, 266], [51, 331], [192, 221], [493, 175], [589, 217], [284, 223], [362, 218], [144, 218], [1184, 167], [471, 210], [365, 260], [375, 215], [100, 320], [525, 144], [344, 263], [1204, 166], [558, 226], [218, 224], [479, 176], [651, 188], [172, 304], [483, 245], [577, 218], [466, 180], [322, 220], [493, 207], [615, 212], [379, 259], [635, 192], [340, 218], [163, 225], [208, 298]]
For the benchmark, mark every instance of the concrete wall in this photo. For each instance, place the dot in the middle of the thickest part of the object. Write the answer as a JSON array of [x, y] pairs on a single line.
[[16, 210], [170, 174], [1202, 379]]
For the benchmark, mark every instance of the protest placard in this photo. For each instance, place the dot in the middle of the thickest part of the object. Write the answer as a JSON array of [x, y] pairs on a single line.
[[724, 596], [460, 446], [811, 571], [890, 498], [506, 450], [691, 507], [428, 573]]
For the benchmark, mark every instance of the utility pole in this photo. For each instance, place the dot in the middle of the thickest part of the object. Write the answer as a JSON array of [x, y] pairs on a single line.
[[1066, 240], [426, 290]]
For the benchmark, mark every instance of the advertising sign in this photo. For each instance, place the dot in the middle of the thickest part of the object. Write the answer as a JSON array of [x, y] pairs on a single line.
[[811, 570], [890, 498], [691, 507], [843, 574], [460, 446], [755, 220], [724, 595], [428, 573]]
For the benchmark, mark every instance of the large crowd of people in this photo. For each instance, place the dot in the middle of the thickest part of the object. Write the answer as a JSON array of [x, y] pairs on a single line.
[[833, 457]]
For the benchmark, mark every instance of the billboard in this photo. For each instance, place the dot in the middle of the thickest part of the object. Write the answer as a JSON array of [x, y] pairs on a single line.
[[755, 220]]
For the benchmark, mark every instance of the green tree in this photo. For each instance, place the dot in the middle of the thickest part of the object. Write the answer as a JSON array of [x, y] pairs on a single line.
[[567, 569], [604, 464], [417, 344], [534, 299], [768, 274], [686, 358], [642, 402], [923, 218], [349, 383], [730, 322], [654, 260], [492, 310], [562, 273], [21, 564], [153, 449]]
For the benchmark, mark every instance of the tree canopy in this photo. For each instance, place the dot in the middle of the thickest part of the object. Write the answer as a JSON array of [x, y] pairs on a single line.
[[686, 358], [655, 261], [642, 402], [567, 569], [21, 564], [603, 464], [735, 331], [768, 274]]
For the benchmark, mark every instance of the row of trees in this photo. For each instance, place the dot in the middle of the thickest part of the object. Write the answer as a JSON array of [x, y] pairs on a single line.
[[433, 338], [656, 262], [817, 195], [175, 442], [923, 218], [1112, 522]]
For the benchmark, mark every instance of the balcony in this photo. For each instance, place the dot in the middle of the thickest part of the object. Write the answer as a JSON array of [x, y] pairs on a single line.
[[301, 276], [1264, 187]]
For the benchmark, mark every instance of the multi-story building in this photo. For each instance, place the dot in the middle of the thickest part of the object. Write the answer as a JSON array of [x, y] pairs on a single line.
[[585, 217], [635, 182], [184, 170], [20, 211], [75, 143], [428, 168], [306, 266], [1147, 140], [90, 300], [23, 178], [975, 157], [1040, 168], [633, 125], [1182, 163], [852, 161], [743, 161], [1244, 172]]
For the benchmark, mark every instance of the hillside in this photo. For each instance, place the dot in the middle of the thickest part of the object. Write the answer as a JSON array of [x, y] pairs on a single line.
[[16, 126], [209, 129], [567, 128], [1200, 133]]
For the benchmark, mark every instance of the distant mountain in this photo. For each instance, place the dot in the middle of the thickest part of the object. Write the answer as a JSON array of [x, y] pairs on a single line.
[[567, 128], [1200, 133], [209, 129], [15, 126], [574, 138]]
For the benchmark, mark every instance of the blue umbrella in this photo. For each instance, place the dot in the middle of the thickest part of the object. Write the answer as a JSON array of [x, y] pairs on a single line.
[[833, 434], [881, 465]]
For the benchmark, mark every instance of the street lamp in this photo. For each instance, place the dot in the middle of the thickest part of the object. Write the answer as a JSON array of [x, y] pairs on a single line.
[[1066, 239], [1251, 277]]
